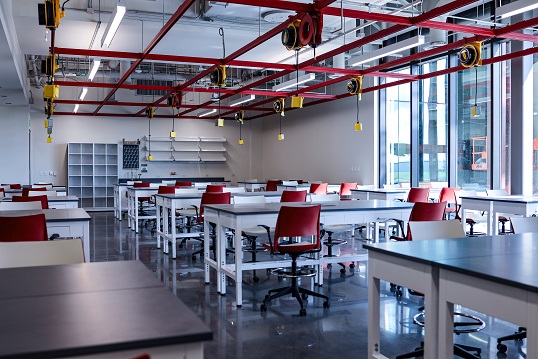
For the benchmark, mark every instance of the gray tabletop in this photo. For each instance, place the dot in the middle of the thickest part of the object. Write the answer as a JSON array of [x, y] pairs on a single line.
[[93, 317], [52, 215], [373, 205], [53, 199], [505, 259], [507, 199]]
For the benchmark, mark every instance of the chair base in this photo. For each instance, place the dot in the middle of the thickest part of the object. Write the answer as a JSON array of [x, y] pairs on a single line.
[[462, 351], [299, 293], [519, 335]]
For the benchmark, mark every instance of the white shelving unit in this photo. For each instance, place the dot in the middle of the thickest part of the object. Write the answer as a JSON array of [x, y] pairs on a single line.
[[185, 149], [92, 172]]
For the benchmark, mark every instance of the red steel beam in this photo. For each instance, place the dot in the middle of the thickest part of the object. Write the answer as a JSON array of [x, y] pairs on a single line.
[[160, 35], [275, 4]]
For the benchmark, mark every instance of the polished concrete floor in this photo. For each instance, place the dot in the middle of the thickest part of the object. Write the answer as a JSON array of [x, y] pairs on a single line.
[[337, 332]]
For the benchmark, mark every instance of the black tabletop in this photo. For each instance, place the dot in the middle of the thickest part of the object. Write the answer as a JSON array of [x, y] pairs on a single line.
[[255, 209], [93, 317], [75, 278], [510, 259]]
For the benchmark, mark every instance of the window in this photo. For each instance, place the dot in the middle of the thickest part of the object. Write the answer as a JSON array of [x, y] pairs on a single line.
[[433, 124], [398, 132], [473, 131]]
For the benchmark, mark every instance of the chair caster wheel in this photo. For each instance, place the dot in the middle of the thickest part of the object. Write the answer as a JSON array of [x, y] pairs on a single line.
[[304, 296], [502, 348], [343, 271], [352, 265], [302, 312], [399, 293], [193, 258], [263, 307], [326, 304], [256, 279], [329, 266]]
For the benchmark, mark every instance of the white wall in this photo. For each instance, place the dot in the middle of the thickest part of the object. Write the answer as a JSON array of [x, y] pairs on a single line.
[[321, 143], [14, 144], [243, 161]]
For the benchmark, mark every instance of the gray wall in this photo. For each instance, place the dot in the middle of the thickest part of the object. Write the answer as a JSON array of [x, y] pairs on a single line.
[[321, 144], [243, 161], [14, 161]]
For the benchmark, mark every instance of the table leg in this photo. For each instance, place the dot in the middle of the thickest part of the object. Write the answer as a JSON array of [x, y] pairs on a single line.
[[532, 326], [173, 229], [158, 217], [374, 291], [238, 266]]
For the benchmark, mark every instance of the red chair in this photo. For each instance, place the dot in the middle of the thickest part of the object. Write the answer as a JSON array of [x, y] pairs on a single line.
[[215, 188], [422, 211], [2, 192], [23, 228], [293, 196], [418, 194], [198, 216], [318, 188], [12, 186], [448, 195], [183, 184], [43, 199], [26, 190], [142, 200], [167, 190], [345, 190], [295, 222], [272, 185]]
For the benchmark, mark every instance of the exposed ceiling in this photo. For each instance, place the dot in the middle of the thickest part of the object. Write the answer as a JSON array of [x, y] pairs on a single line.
[[166, 45]]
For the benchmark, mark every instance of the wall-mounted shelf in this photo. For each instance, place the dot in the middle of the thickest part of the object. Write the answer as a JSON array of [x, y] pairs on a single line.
[[186, 149]]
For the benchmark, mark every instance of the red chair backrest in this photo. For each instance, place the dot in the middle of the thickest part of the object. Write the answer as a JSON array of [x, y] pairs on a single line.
[[166, 190], [298, 222], [346, 187], [213, 198], [12, 186], [26, 190], [271, 185], [448, 194], [183, 184], [214, 188], [23, 228], [418, 194], [426, 211], [319, 188], [2, 190], [141, 184], [43, 199], [293, 196]]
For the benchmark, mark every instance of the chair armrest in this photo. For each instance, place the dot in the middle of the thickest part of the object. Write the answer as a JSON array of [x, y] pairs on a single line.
[[397, 239]]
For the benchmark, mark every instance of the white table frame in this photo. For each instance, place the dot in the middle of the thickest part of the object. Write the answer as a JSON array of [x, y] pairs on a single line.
[[226, 220], [132, 200]]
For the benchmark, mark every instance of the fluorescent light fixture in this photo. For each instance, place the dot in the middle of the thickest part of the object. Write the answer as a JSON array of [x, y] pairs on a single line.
[[207, 113], [241, 100], [76, 108], [294, 82], [515, 8], [83, 93], [113, 24], [387, 50], [95, 67]]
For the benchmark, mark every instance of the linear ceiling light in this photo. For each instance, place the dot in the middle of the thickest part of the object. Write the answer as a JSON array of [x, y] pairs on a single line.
[[76, 108], [294, 82], [83, 93], [387, 50], [207, 113], [241, 100], [95, 67], [515, 8], [113, 24]]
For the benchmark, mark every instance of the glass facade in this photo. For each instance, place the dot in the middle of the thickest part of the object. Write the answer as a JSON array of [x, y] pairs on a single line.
[[535, 126]]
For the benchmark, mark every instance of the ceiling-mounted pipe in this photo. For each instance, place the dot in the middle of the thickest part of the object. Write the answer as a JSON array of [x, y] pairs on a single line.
[[437, 37], [124, 67]]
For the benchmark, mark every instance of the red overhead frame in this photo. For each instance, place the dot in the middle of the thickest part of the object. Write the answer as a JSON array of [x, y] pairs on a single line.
[[169, 24]]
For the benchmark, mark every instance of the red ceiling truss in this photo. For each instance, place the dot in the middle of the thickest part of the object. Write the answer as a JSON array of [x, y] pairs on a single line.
[[425, 20]]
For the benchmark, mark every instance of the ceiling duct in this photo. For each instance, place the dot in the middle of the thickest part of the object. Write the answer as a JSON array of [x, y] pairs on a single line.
[[437, 37], [124, 66]]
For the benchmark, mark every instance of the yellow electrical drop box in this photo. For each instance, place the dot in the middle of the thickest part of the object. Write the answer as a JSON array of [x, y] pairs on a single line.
[[296, 102], [241, 142], [51, 91]]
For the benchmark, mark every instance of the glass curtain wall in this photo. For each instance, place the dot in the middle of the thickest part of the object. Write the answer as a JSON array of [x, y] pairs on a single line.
[[433, 125], [398, 132], [474, 140], [535, 126]]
